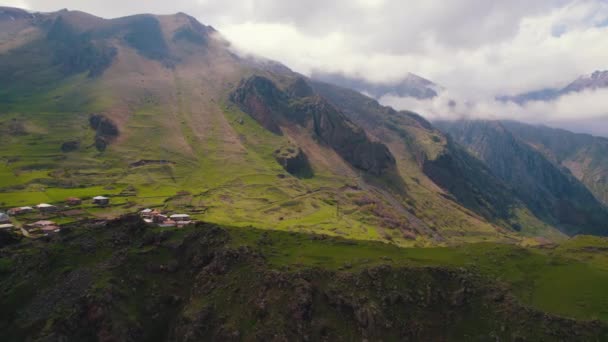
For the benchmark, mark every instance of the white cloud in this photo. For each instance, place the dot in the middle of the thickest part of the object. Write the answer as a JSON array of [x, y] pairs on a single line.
[[575, 110]]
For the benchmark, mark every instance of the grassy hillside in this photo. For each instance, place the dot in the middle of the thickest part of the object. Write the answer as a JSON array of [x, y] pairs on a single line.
[[127, 281]]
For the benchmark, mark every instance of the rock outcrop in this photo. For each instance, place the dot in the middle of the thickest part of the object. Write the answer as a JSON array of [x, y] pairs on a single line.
[[105, 130], [294, 161], [298, 104]]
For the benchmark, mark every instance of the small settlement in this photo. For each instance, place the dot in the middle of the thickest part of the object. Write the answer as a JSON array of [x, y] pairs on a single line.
[[37, 220], [155, 217], [38, 216]]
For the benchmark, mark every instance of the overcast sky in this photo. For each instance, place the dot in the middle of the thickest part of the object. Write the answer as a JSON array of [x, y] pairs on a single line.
[[474, 48]]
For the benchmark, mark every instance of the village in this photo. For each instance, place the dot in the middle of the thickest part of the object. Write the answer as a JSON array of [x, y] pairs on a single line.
[[42, 219]]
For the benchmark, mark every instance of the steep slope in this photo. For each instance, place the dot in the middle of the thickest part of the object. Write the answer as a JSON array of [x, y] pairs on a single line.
[[131, 282], [438, 169], [273, 108], [553, 195], [584, 155]]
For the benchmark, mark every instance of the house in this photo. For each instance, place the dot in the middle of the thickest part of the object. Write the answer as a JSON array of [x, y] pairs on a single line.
[[46, 208], [43, 223], [6, 226], [159, 218], [149, 213], [50, 229], [168, 223], [101, 200], [180, 218], [20, 211], [4, 218], [73, 201], [145, 213]]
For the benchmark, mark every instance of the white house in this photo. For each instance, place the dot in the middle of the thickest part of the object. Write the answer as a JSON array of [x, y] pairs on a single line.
[[6, 226], [4, 218], [101, 200], [45, 207], [180, 218]]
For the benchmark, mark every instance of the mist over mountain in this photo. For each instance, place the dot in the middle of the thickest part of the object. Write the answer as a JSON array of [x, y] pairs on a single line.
[[593, 81], [410, 86]]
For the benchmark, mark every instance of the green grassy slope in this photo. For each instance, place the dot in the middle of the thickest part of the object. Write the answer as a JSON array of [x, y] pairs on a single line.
[[130, 282]]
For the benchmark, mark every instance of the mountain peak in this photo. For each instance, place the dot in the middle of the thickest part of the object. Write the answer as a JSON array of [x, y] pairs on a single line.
[[598, 79]]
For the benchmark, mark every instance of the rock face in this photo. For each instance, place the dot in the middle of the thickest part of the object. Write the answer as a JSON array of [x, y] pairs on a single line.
[[294, 161], [105, 130], [262, 100], [298, 104]]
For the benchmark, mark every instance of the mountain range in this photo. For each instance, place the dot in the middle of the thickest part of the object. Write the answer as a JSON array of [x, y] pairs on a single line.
[[597, 79], [306, 190]]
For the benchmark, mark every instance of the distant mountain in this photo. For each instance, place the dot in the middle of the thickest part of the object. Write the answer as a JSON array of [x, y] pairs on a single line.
[[598, 79], [585, 156], [410, 86], [546, 188]]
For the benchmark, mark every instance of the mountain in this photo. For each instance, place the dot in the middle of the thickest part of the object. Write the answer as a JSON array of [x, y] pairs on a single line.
[[410, 86], [126, 281], [157, 111], [598, 79], [585, 156], [549, 191]]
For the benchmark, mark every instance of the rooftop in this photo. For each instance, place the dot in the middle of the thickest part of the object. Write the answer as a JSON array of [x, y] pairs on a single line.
[[179, 216], [44, 223]]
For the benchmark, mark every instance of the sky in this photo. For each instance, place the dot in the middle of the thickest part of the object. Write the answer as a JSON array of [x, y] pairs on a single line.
[[475, 49]]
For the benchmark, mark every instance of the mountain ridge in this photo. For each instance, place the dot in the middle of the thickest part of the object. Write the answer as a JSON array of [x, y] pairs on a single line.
[[597, 79]]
